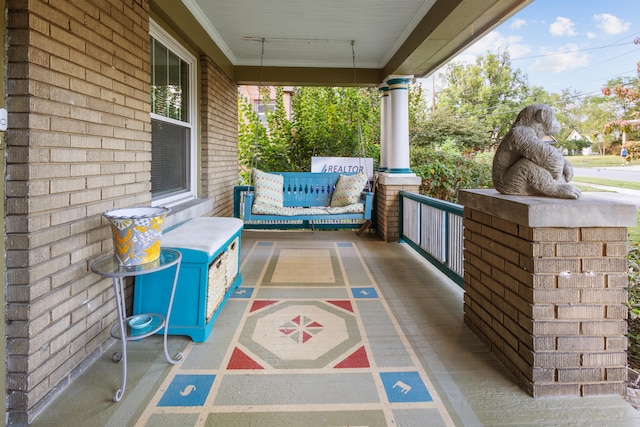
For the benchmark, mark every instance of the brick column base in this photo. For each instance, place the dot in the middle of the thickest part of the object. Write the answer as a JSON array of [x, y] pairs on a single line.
[[545, 286], [388, 203]]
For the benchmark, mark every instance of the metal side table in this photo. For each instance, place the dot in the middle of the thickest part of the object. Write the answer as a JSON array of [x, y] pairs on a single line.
[[147, 324]]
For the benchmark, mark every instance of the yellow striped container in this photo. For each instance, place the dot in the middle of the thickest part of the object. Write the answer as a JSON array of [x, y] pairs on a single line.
[[137, 233]]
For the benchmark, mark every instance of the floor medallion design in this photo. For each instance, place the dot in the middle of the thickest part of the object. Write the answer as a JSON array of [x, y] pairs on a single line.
[[299, 334], [308, 339]]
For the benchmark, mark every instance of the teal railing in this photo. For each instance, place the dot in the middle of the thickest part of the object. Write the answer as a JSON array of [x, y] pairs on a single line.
[[434, 229]]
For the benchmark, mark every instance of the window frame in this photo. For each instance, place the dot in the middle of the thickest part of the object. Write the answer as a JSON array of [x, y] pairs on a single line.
[[176, 48]]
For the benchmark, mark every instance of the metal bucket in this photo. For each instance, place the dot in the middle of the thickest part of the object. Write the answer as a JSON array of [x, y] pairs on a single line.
[[136, 233]]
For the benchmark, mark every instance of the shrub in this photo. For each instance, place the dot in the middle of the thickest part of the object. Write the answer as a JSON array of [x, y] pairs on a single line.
[[633, 303], [444, 173]]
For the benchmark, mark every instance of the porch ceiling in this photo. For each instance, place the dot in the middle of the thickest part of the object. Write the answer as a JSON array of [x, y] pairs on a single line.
[[309, 41]]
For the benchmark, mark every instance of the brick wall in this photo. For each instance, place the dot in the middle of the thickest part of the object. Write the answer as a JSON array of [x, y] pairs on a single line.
[[388, 206], [219, 115], [549, 301], [78, 145]]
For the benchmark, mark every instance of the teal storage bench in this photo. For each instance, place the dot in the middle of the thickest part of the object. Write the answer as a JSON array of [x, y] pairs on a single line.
[[209, 273]]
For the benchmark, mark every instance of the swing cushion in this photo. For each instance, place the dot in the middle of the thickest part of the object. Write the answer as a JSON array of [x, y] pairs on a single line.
[[268, 188], [353, 208], [262, 209], [348, 190]]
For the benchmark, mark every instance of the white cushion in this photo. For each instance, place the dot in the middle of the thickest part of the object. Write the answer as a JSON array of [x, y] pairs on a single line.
[[205, 234], [268, 188], [348, 190]]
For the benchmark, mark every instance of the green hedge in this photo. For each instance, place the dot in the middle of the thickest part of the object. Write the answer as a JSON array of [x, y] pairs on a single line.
[[443, 174]]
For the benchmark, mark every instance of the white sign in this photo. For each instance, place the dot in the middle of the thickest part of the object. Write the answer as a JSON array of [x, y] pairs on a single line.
[[343, 165]]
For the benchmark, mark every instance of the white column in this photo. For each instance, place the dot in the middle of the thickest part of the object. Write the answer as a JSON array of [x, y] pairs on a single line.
[[398, 161], [385, 126]]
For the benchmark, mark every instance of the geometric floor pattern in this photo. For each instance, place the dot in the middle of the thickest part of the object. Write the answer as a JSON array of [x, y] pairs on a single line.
[[306, 340]]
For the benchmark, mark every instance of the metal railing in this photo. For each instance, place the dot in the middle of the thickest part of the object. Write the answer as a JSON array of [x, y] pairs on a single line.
[[434, 229]]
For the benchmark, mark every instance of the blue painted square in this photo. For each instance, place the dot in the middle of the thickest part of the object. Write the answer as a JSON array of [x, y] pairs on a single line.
[[265, 243], [187, 390], [405, 387], [345, 244], [242, 293], [364, 292]]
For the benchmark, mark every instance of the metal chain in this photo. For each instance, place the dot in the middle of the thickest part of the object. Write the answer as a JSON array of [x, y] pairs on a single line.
[[360, 140], [254, 155]]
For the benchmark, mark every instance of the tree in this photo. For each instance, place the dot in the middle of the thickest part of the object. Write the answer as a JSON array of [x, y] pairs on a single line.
[[442, 129], [325, 121], [489, 90], [626, 93], [260, 146]]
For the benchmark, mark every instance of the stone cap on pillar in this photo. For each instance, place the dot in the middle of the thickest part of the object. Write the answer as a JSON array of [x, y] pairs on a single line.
[[385, 178], [588, 211]]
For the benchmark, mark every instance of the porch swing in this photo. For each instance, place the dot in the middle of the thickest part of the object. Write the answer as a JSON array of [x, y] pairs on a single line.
[[304, 199]]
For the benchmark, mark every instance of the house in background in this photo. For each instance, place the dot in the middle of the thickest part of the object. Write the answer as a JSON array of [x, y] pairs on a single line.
[[261, 104], [125, 103], [576, 136]]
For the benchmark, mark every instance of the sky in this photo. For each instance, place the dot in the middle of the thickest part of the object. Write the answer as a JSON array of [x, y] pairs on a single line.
[[568, 44]]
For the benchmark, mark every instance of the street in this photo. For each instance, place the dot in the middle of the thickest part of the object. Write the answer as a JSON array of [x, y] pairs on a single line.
[[619, 173]]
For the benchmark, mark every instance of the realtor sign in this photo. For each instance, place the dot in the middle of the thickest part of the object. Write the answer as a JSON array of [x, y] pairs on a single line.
[[343, 165]]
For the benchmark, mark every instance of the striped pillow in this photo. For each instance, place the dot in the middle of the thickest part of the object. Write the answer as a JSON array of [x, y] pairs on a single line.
[[268, 188], [348, 190]]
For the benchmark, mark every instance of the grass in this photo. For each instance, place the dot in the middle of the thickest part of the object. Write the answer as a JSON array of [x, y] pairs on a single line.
[[585, 188], [597, 161], [634, 233], [608, 182]]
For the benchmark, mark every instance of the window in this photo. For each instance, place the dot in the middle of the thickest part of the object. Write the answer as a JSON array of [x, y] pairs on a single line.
[[173, 120], [261, 107]]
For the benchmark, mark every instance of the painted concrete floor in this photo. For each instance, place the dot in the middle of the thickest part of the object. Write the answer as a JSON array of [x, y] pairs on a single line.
[[326, 329]]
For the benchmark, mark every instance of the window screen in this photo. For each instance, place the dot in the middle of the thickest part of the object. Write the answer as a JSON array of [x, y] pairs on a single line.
[[170, 129]]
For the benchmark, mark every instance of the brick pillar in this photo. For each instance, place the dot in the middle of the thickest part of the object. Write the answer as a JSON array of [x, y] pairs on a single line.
[[545, 286], [388, 203]]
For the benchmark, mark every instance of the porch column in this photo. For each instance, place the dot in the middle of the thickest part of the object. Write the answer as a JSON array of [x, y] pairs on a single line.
[[397, 174], [545, 288], [385, 126], [398, 151]]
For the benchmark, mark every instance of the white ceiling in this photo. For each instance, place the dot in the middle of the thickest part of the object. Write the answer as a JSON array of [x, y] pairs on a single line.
[[309, 33], [392, 36]]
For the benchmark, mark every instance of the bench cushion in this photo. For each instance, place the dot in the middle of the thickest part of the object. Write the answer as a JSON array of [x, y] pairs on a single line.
[[205, 234], [348, 190], [352, 208], [268, 188], [261, 209]]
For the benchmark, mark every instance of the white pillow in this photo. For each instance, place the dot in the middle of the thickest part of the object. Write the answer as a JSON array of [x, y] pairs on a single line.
[[268, 188], [348, 190]]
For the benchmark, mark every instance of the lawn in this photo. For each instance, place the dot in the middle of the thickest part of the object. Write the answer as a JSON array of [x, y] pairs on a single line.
[[597, 161]]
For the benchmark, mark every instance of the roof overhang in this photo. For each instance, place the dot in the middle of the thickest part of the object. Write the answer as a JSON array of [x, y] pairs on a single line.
[[307, 42]]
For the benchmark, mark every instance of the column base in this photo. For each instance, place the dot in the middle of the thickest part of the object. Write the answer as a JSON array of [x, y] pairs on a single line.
[[388, 202], [545, 287]]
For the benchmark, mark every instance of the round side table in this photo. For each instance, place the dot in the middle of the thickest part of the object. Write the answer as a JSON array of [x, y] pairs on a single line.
[[140, 325]]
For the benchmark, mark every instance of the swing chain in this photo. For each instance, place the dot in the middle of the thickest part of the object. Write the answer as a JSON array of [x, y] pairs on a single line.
[[254, 155], [360, 140]]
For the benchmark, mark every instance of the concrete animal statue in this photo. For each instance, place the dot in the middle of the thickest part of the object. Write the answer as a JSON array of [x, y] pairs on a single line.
[[526, 165]]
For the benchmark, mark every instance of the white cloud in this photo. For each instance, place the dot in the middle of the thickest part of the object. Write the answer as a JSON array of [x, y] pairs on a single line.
[[495, 41], [563, 27], [564, 59], [591, 35], [611, 24], [518, 23]]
